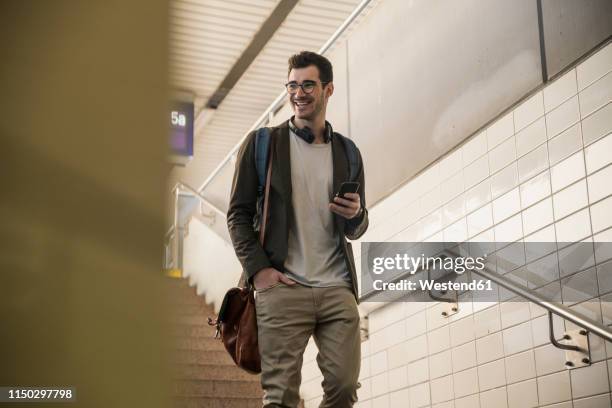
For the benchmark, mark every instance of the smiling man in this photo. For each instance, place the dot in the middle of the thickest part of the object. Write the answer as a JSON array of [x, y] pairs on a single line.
[[304, 275]]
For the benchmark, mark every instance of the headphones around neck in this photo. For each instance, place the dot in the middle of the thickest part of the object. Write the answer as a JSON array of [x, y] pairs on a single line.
[[306, 133]]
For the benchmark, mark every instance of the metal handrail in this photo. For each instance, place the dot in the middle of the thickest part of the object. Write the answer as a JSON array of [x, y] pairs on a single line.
[[183, 186], [278, 101], [558, 309]]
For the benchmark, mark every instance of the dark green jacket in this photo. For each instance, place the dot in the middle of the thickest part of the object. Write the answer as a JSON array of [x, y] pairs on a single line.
[[242, 215]]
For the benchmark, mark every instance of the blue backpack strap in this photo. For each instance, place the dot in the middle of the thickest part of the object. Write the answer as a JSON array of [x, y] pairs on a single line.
[[262, 144], [351, 154]]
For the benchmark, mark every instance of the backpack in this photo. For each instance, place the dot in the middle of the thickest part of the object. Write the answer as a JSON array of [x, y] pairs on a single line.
[[262, 143]]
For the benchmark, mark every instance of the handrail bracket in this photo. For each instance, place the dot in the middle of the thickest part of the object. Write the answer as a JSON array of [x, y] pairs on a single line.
[[575, 343]]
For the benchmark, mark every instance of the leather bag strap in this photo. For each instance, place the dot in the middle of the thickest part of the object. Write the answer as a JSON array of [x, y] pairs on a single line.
[[266, 203]]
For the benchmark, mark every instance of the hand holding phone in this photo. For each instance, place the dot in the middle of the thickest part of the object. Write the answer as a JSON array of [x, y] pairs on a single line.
[[346, 202], [347, 187]]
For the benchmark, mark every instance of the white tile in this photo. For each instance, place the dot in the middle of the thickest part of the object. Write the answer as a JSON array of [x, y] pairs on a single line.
[[502, 155], [562, 117], [487, 322], [380, 384], [462, 331], [596, 95], [528, 111], [594, 67], [597, 125], [531, 137], [378, 363], [509, 230], [398, 378], [600, 184], [480, 220], [419, 395], [485, 236], [447, 404], [477, 196], [598, 154], [381, 402], [476, 171], [548, 358], [438, 340], [430, 200], [416, 325], [470, 401], [504, 180], [567, 171], [452, 187], [397, 399], [601, 215], [514, 312], [456, 232], [450, 165], [570, 199], [418, 371], [474, 148], [537, 216], [496, 398], [489, 348], [564, 144], [500, 130], [533, 163], [574, 228], [544, 235], [517, 338], [453, 210], [491, 375], [416, 348], [535, 189], [442, 389], [440, 364], [554, 388], [465, 382], [599, 401], [464, 356], [561, 90], [506, 205], [523, 394], [520, 367]]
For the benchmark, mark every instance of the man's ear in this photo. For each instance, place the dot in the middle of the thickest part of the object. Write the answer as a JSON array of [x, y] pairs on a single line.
[[329, 89]]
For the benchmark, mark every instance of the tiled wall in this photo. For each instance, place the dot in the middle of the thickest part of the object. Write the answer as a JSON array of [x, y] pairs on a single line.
[[541, 172]]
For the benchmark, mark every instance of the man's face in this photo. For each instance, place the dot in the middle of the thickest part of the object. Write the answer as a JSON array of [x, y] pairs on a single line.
[[308, 106]]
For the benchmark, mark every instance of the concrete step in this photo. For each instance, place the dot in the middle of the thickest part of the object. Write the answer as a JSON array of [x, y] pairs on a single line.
[[199, 402], [202, 357], [191, 330], [212, 372], [217, 389], [198, 343]]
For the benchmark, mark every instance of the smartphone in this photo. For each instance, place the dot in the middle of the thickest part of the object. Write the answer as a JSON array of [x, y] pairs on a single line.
[[347, 187]]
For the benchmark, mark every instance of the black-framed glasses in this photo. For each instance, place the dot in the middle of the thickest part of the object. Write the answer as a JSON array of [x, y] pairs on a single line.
[[307, 86]]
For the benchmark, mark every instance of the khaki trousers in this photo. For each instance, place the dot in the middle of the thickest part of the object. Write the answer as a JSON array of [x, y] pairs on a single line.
[[286, 318]]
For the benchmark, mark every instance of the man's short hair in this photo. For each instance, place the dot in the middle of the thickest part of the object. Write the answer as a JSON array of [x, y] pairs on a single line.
[[307, 58]]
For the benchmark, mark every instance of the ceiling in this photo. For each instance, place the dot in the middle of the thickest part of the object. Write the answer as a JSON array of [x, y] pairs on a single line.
[[208, 37]]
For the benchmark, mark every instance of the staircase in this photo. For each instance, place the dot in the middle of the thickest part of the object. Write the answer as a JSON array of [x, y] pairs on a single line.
[[204, 374]]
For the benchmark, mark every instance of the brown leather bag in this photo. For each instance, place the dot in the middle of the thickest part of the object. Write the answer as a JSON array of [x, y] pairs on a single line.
[[237, 319]]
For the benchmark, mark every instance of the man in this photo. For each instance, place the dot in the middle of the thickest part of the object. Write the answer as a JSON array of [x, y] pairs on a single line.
[[304, 276]]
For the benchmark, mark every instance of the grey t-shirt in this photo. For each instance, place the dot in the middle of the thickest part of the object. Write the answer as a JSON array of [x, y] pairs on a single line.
[[314, 255]]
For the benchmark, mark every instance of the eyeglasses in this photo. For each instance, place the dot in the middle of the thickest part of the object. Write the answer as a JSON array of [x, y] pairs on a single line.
[[307, 86]]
